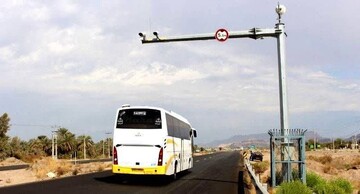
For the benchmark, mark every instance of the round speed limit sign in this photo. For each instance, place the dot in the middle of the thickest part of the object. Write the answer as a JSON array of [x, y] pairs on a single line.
[[221, 35]]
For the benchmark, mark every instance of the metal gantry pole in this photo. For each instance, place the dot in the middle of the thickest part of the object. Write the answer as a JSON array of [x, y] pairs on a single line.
[[287, 147], [255, 33], [282, 78]]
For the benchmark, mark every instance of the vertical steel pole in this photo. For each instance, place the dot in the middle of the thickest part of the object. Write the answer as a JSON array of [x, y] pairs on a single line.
[[284, 125], [282, 79]]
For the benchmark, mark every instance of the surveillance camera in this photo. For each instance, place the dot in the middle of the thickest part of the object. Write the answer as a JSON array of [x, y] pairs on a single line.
[[155, 33], [280, 9], [141, 34]]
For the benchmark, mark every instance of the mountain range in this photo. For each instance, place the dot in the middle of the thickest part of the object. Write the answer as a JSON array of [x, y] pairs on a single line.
[[260, 140]]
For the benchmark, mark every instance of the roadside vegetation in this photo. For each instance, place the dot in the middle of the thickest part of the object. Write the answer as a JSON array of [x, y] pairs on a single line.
[[42, 167], [316, 184], [328, 171], [69, 145]]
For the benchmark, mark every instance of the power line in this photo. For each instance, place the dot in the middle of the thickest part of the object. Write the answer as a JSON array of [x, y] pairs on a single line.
[[30, 125]]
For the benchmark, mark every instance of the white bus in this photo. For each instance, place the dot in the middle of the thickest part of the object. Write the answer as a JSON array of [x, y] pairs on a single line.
[[151, 141]]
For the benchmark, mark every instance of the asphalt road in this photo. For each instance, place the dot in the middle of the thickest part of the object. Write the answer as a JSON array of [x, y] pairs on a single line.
[[215, 173]]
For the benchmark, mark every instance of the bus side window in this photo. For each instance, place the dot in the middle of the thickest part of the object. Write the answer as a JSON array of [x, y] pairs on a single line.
[[170, 125], [177, 128]]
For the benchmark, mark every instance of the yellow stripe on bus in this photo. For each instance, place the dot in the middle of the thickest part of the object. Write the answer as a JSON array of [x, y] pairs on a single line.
[[168, 162], [171, 141]]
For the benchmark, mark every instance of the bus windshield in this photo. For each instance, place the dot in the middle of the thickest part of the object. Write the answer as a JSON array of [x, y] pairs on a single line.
[[139, 119]]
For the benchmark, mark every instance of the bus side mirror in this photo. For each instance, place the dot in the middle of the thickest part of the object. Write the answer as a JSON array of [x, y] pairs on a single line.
[[193, 132]]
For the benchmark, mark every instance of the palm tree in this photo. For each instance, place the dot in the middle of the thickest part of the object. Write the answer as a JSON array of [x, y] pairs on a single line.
[[66, 142], [46, 144], [89, 146], [35, 147]]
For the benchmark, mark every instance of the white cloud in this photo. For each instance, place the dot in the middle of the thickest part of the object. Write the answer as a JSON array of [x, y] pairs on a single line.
[[319, 91], [91, 50], [7, 53], [37, 13]]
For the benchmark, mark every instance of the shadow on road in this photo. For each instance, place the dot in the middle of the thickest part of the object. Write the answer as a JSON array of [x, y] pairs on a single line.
[[214, 180], [140, 180]]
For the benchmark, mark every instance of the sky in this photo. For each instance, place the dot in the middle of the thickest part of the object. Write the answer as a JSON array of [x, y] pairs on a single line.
[[74, 63]]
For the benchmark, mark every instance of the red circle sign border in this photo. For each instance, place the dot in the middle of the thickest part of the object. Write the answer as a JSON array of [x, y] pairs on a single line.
[[222, 39]]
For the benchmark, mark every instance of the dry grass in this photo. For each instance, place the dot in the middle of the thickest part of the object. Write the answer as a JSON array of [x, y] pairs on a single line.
[[261, 167], [326, 159], [45, 165], [100, 168], [75, 171], [42, 166], [341, 164], [64, 168]]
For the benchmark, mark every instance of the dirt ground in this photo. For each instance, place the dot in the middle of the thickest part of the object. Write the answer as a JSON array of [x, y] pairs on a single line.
[[45, 169]]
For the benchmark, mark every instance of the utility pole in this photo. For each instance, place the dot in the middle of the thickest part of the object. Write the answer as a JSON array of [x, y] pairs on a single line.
[[109, 148], [54, 139], [103, 142], [52, 145], [314, 141], [357, 141], [56, 145], [84, 148], [255, 33]]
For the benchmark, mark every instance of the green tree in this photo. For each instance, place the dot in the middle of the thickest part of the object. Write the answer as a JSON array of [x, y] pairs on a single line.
[[103, 147], [89, 146], [4, 128], [46, 144], [4, 125], [17, 148], [66, 143], [339, 143], [35, 147], [41, 146]]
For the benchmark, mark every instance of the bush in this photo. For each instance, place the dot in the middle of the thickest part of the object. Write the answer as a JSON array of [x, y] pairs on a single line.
[[313, 179], [295, 187], [261, 167], [75, 171], [322, 159], [326, 188], [45, 165], [343, 184], [321, 186]]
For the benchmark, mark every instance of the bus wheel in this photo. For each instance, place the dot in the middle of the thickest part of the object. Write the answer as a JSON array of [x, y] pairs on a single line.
[[174, 176]]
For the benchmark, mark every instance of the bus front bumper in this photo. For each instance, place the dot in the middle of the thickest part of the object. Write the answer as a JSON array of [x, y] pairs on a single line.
[[157, 170]]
